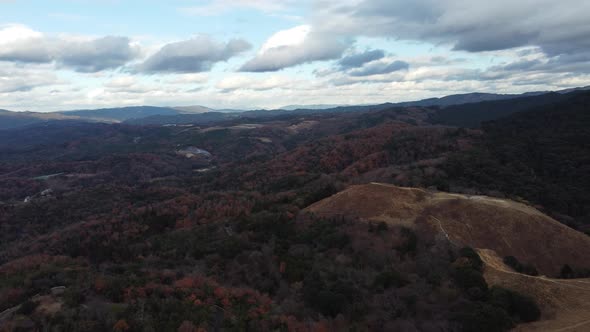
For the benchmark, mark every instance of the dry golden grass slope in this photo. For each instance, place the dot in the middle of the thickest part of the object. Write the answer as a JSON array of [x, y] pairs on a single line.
[[497, 228], [565, 304], [507, 227]]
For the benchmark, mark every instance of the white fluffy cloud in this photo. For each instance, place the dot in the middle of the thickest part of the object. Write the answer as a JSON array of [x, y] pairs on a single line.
[[217, 7], [15, 80], [238, 82], [197, 54], [21, 44], [299, 45], [180, 79]]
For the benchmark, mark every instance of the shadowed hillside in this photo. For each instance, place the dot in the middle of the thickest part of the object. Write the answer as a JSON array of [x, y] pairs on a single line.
[[542, 156]]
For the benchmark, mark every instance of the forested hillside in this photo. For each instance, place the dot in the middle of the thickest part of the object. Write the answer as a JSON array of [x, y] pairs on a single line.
[[203, 226], [542, 155]]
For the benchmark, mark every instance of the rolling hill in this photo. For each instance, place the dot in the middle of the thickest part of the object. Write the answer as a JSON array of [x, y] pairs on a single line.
[[541, 155], [507, 227], [193, 109], [474, 114], [498, 228], [112, 221], [121, 113], [464, 110], [10, 119], [565, 303]]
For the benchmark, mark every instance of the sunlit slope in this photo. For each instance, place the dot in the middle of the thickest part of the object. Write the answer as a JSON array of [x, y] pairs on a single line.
[[507, 227]]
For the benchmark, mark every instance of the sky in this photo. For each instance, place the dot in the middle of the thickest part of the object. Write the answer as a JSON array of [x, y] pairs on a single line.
[[248, 54]]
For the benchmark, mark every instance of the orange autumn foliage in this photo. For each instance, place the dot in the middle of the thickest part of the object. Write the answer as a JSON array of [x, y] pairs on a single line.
[[121, 325]]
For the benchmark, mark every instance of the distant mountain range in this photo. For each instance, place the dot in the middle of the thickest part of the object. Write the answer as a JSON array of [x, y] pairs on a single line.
[[194, 109], [452, 106], [309, 107], [473, 114], [10, 119], [122, 113], [450, 100]]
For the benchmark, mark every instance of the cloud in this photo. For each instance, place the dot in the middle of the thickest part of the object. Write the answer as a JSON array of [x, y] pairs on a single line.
[[97, 55], [127, 85], [359, 59], [536, 66], [381, 67], [21, 44], [299, 45], [20, 80], [238, 82], [195, 55], [197, 78], [218, 7], [474, 26]]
